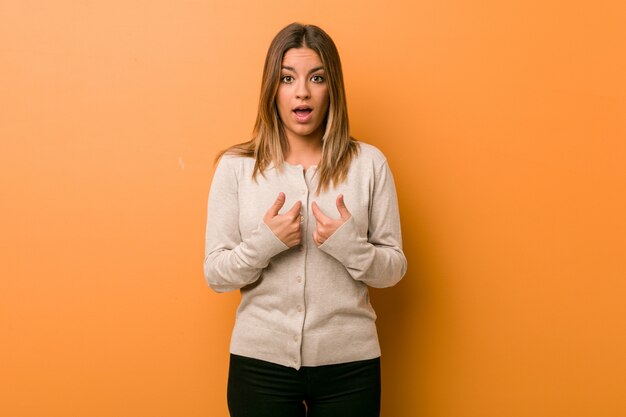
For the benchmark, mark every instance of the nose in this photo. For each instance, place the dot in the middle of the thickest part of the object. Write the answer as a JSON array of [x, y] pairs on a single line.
[[302, 90]]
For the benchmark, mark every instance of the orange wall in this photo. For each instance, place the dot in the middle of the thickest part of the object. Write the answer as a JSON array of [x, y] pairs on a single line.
[[505, 125]]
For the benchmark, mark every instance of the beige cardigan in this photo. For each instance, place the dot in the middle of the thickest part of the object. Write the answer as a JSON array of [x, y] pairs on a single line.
[[305, 305]]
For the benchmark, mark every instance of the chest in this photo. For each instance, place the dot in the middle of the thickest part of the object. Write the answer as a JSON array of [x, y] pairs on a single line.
[[255, 198]]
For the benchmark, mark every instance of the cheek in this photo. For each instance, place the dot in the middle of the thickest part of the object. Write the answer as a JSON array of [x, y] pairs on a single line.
[[279, 99], [282, 103], [325, 97], [326, 102]]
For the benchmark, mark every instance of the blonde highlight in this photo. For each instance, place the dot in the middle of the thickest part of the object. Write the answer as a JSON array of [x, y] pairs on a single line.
[[269, 143]]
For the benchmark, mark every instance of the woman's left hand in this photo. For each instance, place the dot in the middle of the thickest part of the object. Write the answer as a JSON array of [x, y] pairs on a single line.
[[326, 226]]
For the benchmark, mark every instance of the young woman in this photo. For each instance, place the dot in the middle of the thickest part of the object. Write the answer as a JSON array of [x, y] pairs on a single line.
[[302, 219]]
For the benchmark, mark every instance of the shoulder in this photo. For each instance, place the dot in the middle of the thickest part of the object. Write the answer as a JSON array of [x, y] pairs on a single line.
[[370, 154], [232, 161], [232, 168]]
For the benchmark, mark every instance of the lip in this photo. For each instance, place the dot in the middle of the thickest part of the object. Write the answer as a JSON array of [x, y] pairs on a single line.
[[302, 118]]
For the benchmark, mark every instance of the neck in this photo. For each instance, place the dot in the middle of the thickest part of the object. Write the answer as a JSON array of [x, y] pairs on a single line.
[[304, 150]]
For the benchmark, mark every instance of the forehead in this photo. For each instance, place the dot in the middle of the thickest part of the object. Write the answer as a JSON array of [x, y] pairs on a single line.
[[301, 58]]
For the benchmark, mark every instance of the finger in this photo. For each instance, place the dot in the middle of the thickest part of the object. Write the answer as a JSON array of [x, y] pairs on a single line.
[[278, 204], [316, 238], [319, 214], [294, 211], [341, 206]]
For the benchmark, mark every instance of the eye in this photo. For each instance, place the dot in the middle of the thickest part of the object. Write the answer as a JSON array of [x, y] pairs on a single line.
[[317, 79], [287, 79]]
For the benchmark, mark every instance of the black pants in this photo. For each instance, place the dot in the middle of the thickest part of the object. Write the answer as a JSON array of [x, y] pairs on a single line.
[[258, 388]]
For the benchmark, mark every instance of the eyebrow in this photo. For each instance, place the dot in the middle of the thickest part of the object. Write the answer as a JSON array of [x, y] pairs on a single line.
[[310, 72]]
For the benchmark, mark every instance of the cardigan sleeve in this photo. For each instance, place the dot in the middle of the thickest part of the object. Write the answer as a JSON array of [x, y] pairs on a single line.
[[231, 263], [376, 259]]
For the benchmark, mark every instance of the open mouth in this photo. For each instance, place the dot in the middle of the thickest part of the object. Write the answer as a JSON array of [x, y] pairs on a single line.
[[303, 113], [302, 110]]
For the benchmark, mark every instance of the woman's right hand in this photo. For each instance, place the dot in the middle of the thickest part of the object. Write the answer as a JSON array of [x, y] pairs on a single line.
[[285, 226]]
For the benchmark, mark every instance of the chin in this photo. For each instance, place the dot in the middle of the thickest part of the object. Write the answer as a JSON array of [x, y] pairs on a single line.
[[304, 132]]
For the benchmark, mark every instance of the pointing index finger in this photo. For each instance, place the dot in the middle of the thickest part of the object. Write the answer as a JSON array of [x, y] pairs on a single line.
[[278, 204], [318, 213], [295, 209], [341, 207]]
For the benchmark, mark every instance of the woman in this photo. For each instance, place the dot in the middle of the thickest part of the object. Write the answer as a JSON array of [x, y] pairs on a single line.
[[302, 219]]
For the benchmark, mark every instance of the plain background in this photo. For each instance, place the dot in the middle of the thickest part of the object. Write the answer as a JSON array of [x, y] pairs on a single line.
[[505, 126]]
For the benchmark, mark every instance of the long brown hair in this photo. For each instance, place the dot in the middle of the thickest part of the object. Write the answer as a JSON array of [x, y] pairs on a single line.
[[269, 142]]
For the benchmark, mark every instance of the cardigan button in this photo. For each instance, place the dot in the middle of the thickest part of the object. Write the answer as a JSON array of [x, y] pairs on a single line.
[[298, 279], [299, 308]]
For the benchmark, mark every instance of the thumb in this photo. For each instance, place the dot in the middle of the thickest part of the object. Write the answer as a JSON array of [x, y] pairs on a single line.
[[341, 207], [295, 209], [278, 204]]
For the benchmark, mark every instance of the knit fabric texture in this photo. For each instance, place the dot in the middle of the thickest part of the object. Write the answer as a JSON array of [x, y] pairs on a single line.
[[307, 305]]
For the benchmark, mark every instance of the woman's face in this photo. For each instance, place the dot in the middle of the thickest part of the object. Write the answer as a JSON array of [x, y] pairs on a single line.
[[302, 97]]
